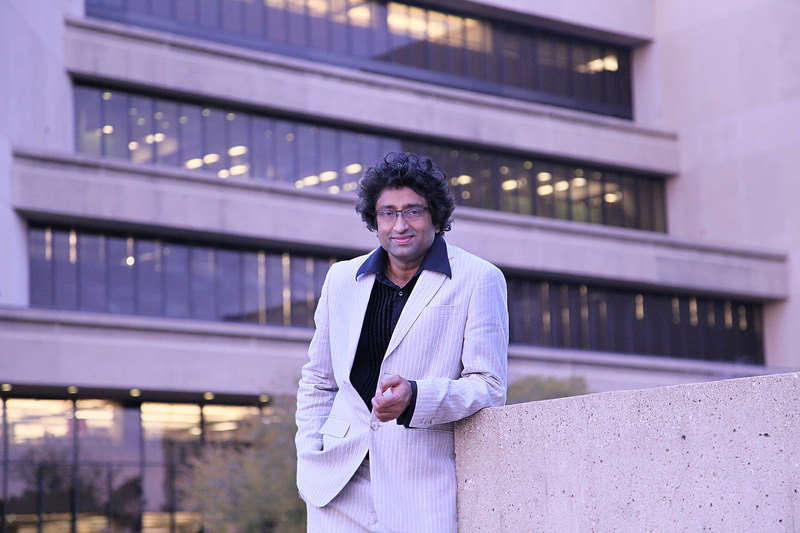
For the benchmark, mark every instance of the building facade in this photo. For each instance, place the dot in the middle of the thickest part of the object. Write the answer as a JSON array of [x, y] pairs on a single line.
[[176, 176]]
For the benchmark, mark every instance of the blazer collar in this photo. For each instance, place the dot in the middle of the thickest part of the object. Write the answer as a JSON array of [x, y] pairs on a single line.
[[436, 259]]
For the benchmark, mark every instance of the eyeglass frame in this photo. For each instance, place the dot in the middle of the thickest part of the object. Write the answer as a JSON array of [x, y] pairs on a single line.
[[400, 212]]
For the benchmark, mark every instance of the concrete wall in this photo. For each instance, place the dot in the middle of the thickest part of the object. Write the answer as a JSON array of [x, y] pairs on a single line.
[[726, 78], [721, 456]]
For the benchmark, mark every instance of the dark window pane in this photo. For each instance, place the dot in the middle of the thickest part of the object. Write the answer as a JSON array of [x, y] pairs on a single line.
[[285, 152], [142, 134], [191, 136], [229, 285], [232, 16], [142, 6], [561, 192], [121, 261], [277, 21], [41, 267], [149, 274], [92, 280], [65, 255], [359, 19], [319, 24], [115, 124], [302, 289], [254, 19], [297, 23], [612, 199], [274, 279], [253, 288], [306, 142], [209, 13], [175, 258], [238, 146], [545, 189], [263, 144], [88, 120], [165, 138], [186, 11], [214, 142], [202, 264]]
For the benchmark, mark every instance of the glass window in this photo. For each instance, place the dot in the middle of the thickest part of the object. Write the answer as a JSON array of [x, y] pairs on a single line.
[[175, 258], [262, 143], [65, 255], [165, 138], [215, 146], [115, 124], [40, 246], [209, 16], [40, 446], [448, 48], [186, 12], [142, 135], [237, 145], [202, 265], [229, 285], [254, 287], [88, 104], [232, 16], [285, 152], [225, 423], [92, 282], [148, 266], [274, 278], [191, 136], [303, 292], [121, 261]]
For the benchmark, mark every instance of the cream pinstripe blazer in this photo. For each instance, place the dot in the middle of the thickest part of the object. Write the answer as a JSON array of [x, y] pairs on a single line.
[[452, 338]]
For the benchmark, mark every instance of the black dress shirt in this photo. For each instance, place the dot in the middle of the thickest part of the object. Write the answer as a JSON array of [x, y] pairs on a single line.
[[386, 303]]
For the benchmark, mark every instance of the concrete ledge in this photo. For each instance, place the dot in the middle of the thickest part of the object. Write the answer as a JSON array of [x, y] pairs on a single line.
[[721, 456], [62, 187], [98, 350]]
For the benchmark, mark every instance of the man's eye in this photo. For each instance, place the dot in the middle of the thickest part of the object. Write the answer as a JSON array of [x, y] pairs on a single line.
[[414, 212]]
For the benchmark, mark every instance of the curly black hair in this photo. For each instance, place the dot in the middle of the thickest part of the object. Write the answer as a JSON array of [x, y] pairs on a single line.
[[397, 170]]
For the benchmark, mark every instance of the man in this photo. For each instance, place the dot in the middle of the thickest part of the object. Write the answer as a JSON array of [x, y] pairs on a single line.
[[429, 317]]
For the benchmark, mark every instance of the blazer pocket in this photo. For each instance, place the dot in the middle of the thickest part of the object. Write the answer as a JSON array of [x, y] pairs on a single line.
[[335, 427]]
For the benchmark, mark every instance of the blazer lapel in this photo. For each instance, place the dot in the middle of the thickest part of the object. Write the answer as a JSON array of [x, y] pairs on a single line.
[[426, 287], [359, 300]]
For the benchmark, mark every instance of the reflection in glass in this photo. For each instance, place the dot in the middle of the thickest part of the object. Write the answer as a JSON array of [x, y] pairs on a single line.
[[437, 46], [83, 462], [594, 318], [234, 145]]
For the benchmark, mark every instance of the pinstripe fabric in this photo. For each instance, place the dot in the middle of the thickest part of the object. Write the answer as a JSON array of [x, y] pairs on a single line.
[[452, 338], [351, 511]]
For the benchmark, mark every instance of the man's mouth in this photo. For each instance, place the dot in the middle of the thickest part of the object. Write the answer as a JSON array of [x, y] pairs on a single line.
[[402, 239]]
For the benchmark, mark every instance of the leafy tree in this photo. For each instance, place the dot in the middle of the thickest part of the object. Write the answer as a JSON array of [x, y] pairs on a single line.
[[247, 485]]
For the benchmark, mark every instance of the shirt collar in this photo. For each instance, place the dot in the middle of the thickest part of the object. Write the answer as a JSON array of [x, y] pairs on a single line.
[[435, 259]]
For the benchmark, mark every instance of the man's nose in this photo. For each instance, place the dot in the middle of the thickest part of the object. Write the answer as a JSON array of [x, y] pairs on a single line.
[[400, 223]]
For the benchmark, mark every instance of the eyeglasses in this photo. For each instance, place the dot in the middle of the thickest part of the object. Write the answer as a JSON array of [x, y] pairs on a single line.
[[409, 213]]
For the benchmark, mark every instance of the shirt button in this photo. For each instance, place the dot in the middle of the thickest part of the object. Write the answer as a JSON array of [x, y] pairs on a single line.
[[400, 293]]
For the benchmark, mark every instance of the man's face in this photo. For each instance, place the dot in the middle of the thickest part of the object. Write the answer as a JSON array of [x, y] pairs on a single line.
[[405, 241]]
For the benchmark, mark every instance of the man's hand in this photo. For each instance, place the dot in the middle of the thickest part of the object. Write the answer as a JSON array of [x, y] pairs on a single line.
[[389, 407]]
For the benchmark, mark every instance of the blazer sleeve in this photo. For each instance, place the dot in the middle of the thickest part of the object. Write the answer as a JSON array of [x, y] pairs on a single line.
[[317, 388], [484, 359]]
